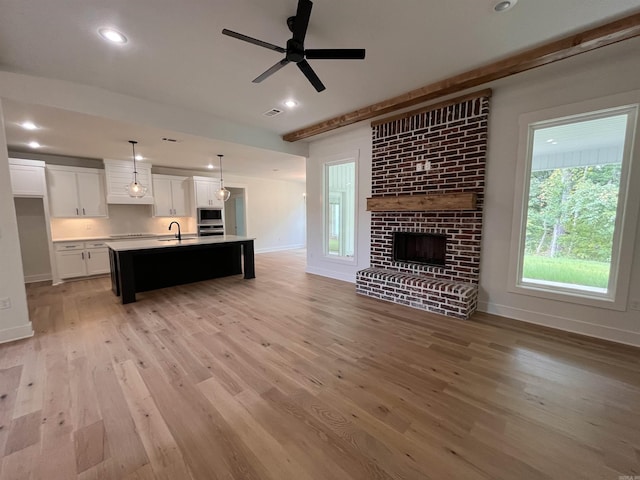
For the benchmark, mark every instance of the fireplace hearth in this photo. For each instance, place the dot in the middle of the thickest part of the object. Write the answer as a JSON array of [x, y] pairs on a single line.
[[421, 248]]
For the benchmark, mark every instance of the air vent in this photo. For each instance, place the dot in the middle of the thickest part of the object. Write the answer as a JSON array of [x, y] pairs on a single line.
[[273, 112], [167, 139]]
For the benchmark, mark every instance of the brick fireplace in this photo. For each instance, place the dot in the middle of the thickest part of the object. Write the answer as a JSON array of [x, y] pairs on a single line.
[[452, 137]]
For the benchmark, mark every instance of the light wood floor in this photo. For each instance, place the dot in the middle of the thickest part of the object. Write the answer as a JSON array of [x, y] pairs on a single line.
[[293, 376]]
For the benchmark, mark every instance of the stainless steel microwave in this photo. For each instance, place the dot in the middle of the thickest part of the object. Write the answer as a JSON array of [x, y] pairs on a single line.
[[211, 216]]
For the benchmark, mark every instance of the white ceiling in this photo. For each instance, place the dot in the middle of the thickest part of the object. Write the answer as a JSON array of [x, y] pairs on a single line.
[[177, 56], [73, 134]]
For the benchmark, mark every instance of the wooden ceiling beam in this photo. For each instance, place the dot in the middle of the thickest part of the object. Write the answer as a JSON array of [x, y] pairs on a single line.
[[585, 41]]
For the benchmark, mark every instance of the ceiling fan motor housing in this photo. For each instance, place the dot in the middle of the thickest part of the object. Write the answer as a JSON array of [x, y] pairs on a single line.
[[295, 51]]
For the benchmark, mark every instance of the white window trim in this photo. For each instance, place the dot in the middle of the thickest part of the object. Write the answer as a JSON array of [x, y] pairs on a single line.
[[347, 157], [626, 224]]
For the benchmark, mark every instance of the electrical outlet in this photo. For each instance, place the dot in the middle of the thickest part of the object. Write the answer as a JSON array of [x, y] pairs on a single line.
[[635, 304], [5, 303], [419, 167], [427, 166]]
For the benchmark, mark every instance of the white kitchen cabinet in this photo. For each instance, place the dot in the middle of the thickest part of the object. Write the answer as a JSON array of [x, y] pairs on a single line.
[[171, 196], [119, 174], [205, 189], [79, 259], [76, 192], [97, 258], [27, 178]]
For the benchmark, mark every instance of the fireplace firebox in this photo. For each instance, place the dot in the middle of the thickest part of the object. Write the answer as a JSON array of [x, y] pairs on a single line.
[[422, 248]]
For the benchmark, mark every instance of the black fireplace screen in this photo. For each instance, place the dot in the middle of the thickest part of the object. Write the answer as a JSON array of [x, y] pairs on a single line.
[[424, 248]]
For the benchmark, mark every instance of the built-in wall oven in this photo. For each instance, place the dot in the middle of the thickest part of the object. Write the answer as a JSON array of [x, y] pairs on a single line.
[[210, 222]]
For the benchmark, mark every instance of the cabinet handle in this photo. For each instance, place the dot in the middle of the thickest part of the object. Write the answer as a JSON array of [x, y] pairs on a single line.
[[82, 255], [77, 212], [89, 255]]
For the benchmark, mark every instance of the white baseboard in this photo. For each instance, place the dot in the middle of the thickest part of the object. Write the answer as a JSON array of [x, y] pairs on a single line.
[[42, 277], [16, 333], [280, 248], [563, 323], [345, 277]]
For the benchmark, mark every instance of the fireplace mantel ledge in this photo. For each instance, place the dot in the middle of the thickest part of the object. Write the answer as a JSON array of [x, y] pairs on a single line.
[[423, 203]]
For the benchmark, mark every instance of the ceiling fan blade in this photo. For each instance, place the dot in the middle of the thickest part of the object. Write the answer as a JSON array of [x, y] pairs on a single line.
[[335, 54], [311, 75], [302, 20], [271, 71], [255, 41]]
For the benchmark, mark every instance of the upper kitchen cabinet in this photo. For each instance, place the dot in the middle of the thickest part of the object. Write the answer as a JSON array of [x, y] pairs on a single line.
[[205, 189], [119, 175], [171, 196], [27, 178], [76, 192]]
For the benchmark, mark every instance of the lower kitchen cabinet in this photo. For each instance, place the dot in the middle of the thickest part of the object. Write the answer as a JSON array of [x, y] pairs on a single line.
[[80, 259]]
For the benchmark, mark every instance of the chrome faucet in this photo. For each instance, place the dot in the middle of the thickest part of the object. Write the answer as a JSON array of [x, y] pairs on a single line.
[[178, 236]]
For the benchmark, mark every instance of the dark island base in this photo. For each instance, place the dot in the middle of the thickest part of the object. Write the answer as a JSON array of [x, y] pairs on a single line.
[[177, 268], [142, 270]]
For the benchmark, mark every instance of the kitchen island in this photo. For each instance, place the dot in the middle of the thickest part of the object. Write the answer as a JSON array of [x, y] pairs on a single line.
[[148, 264]]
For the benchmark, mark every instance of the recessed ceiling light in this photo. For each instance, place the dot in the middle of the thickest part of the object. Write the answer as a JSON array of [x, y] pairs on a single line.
[[210, 167], [112, 35], [29, 126], [34, 145], [139, 157], [504, 5], [291, 103], [550, 140]]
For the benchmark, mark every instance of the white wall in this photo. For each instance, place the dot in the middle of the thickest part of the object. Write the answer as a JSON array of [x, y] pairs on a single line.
[[14, 322], [358, 140], [590, 76], [275, 212], [34, 244]]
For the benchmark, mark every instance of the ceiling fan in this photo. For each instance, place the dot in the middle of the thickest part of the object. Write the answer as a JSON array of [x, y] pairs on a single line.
[[295, 51]]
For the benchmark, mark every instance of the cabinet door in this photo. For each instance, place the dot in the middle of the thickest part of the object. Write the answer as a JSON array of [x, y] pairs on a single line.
[[91, 195], [70, 264], [179, 195], [27, 180], [97, 261], [202, 189], [162, 204], [63, 193]]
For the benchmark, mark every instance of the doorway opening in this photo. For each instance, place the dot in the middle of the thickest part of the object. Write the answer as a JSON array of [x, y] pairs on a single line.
[[235, 212]]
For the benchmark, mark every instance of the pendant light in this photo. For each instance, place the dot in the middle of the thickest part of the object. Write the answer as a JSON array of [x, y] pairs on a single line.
[[223, 194], [135, 189]]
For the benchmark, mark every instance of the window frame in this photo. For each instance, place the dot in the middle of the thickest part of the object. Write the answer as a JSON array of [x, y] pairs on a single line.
[[350, 157], [627, 211]]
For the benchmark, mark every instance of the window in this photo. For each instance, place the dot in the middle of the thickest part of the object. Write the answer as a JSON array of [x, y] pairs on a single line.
[[571, 232], [340, 209]]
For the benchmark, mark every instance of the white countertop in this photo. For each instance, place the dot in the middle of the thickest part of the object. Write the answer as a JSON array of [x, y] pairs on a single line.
[[147, 243]]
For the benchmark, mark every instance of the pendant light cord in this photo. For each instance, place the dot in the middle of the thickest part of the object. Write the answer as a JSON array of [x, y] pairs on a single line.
[[221, 180], [135, 168]]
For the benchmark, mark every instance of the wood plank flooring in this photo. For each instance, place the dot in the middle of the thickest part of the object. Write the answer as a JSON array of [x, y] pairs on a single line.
[[293, 376]]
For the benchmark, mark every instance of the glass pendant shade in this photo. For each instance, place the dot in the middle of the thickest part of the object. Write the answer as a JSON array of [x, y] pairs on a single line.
[[135, 188], [223, 194]]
